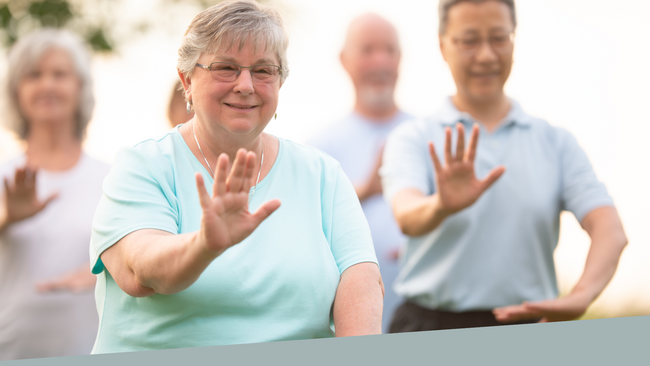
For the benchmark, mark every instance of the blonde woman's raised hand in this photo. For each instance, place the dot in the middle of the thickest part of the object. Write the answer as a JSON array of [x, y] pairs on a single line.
[[20, 200], [456, 183], [226, 220]]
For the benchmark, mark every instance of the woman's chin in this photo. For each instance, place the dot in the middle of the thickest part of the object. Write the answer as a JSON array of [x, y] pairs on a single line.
[[53, 119], [241, 127]]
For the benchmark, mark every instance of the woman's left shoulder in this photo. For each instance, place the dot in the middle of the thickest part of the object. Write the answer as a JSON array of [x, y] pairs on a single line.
[[306, 154]]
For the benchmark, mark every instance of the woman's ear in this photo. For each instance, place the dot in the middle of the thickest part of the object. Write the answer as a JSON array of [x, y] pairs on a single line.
[[187, 85]]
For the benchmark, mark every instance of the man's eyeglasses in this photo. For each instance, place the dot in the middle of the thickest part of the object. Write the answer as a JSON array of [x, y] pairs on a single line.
[[501, 44], [229, 72]]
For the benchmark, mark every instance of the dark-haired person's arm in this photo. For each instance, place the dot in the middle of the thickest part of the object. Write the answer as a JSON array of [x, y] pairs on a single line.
[[587, 198], [359, 301], [607, 243], [456, 187]]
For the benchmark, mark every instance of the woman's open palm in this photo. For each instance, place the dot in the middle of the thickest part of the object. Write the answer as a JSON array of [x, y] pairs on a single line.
[[456, 183], [20, 197], [226, 220]]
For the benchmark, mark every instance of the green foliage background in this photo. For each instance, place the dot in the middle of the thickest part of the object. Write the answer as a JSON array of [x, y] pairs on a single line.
[[96, 21]]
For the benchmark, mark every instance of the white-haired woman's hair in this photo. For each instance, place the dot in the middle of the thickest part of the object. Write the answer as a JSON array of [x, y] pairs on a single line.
[[233, 23], [26, 54]]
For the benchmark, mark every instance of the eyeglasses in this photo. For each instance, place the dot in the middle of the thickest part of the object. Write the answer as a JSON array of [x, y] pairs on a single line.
[[501, 44], [229, 72]]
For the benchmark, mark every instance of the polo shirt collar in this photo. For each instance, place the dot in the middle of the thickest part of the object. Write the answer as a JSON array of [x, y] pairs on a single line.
[[450, 115]]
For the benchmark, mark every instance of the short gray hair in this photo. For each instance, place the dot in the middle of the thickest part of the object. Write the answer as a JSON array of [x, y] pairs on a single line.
[[234, 22], [25, 56], [445, 5]]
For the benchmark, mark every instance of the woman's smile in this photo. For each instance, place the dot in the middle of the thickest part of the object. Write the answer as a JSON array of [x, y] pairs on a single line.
[[241, 108]]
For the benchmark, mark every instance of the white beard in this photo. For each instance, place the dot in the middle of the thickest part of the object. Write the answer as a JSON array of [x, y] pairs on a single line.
[[376, 98]]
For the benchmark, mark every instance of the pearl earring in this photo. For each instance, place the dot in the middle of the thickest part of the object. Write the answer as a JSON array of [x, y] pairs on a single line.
[[189, 107]]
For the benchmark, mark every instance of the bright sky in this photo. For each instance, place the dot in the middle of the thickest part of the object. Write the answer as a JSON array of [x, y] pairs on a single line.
[[580, 64]]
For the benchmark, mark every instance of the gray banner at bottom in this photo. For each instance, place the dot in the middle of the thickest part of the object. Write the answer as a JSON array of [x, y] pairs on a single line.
[[620, 341]]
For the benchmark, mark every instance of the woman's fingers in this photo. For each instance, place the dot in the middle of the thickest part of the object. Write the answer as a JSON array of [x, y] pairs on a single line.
[[204, 197], [236, 177], [492, 177], [7, 188], [448, 157], [473, 142], [221, 172], [19, 182], [460, 144], [434, 157], [30, 178], [265, 211], [48, 200], [249, 175]]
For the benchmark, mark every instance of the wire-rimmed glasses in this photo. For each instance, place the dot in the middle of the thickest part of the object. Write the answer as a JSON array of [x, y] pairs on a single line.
[[229, 72], [500, 43]]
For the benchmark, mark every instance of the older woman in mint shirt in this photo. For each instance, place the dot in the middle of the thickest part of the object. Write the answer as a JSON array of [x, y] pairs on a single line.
[[193, 250]]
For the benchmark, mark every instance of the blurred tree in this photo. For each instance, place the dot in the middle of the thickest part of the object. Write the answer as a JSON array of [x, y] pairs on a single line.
[[18, 17], [102, 23]]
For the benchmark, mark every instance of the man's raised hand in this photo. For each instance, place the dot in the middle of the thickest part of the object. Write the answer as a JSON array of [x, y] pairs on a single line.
[[456, 183]]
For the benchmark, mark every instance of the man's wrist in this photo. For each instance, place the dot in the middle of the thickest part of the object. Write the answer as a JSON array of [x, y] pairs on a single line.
[[584, 295]]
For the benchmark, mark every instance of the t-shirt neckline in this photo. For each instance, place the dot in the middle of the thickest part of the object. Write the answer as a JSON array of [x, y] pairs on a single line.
[[259, 185]]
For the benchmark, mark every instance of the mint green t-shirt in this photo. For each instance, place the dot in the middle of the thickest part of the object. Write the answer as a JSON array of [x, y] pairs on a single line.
[[277, 284]]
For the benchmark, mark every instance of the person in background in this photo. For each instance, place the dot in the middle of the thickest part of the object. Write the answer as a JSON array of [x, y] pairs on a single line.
[[371, 56], [483, 221], [177, 112], [47, 201]]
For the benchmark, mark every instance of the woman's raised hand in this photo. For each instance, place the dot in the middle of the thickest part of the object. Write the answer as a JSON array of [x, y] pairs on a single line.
[[456, 184], [226, 220], [20, 197]]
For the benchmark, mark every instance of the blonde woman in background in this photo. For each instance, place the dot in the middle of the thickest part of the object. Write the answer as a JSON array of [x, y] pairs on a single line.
[[49, 195]]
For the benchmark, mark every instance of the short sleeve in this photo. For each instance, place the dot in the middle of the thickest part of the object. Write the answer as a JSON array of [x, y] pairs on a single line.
[[349, 233], [136, 195], [406, 162], [582, 192]]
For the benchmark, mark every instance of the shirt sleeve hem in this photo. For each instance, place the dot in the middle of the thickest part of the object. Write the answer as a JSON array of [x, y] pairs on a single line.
[[393, 191], [97, 266], [351, 263], [582, 213]]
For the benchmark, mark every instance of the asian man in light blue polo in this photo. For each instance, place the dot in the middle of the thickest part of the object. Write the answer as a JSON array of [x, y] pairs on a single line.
[[483, 219]]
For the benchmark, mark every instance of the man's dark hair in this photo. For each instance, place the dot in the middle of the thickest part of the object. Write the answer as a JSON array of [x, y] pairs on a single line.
[[445, 5]]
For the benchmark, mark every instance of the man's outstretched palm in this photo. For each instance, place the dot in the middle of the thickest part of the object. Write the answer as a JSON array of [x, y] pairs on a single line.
[[456, 183]]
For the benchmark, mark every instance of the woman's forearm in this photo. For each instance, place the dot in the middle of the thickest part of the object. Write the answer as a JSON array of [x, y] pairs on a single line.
[[147, 262], [359, 301], [607, 243], [417, 214]]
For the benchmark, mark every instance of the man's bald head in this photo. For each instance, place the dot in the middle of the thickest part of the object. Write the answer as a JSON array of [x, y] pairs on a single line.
[[371, 56], [365, 26]]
